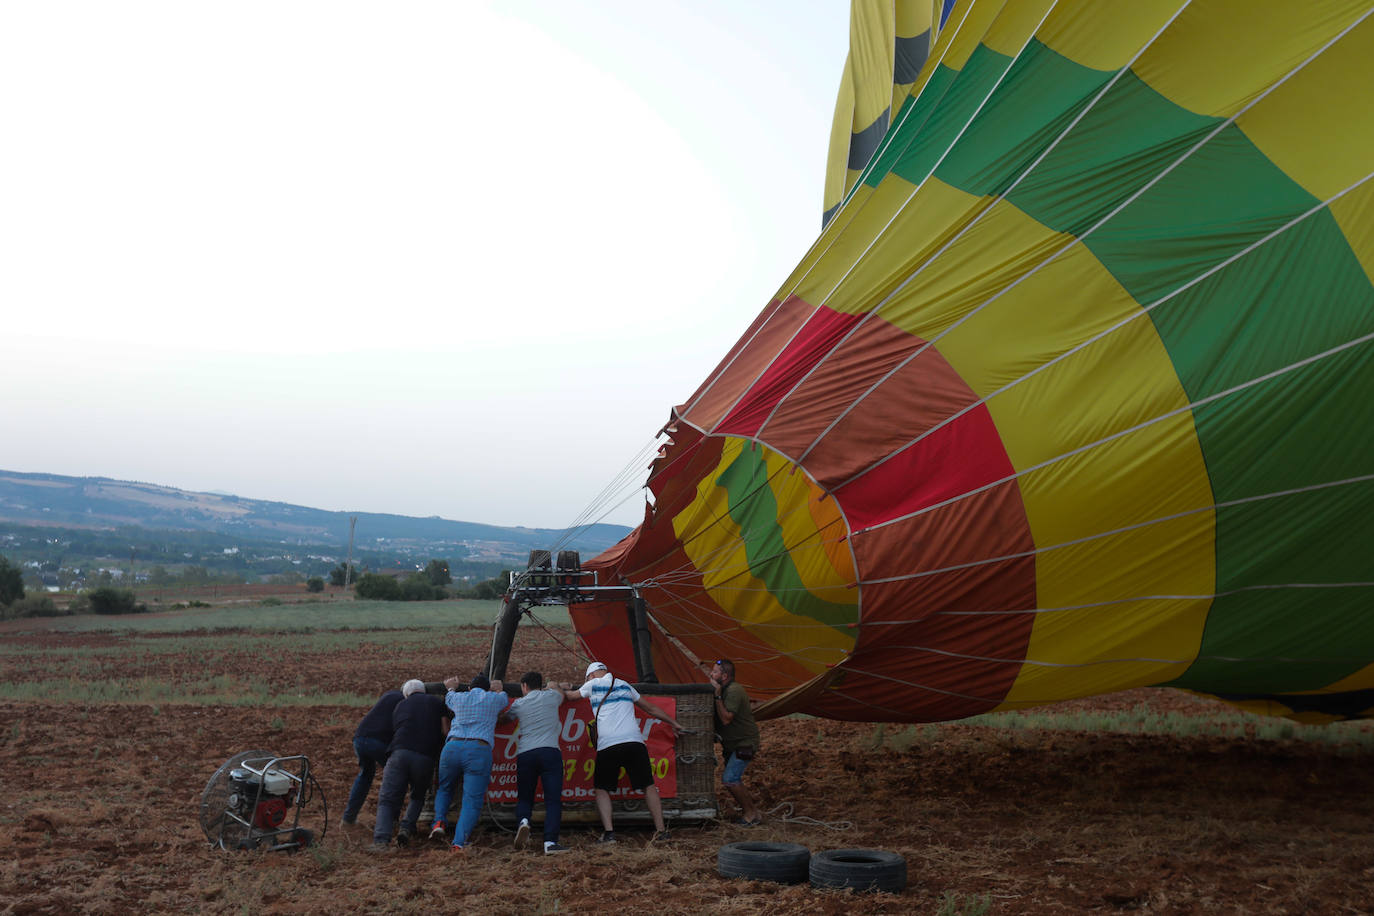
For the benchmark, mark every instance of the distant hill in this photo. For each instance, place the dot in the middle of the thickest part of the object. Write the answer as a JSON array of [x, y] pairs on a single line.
[[101, 503]]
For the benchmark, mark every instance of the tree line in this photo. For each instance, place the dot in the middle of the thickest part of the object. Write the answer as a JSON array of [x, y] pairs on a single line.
[[433, 583], [15, 602], [428, 584]]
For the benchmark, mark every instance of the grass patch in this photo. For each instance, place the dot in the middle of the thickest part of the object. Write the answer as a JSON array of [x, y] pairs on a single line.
[[1221, 722], [222, 690], [265, 666], [953, 904], [310, 617], [209, 650]]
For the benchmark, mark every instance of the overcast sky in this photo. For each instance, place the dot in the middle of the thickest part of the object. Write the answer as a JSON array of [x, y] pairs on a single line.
[[430, 258]]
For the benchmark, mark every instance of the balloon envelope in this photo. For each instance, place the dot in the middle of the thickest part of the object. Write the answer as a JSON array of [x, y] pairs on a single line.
[[1073, 393]]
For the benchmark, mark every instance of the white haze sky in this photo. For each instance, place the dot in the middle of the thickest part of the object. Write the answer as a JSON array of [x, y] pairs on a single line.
[[430, 258]]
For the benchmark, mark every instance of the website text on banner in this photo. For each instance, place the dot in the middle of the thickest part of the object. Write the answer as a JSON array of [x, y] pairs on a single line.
[[579, 760]]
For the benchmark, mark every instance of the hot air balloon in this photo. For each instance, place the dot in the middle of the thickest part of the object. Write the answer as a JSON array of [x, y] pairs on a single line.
[[1073, 393]]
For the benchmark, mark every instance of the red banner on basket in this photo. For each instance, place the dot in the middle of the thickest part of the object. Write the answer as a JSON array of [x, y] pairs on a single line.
[[579, 760]]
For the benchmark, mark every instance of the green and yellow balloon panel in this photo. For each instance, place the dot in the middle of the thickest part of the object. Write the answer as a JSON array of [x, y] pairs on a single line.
[[1074, 391]]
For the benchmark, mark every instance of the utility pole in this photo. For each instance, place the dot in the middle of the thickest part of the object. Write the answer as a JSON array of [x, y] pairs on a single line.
[[348, 566]]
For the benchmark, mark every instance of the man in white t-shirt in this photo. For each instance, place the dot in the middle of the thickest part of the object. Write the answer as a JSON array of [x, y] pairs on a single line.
[[620, 744], [538, 758]]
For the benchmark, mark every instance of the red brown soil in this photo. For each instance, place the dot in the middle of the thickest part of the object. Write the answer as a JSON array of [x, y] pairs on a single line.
[[100, 810]]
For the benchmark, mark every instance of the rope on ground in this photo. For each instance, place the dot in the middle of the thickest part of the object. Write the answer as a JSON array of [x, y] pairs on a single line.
[[491, 816], [788, 817]]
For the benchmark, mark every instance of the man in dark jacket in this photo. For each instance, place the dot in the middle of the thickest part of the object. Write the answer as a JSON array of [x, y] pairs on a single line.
[[419, 726], [370, 742]]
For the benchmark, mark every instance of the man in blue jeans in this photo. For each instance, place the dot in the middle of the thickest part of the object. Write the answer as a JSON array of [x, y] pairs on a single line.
[[370, 742], [738, 736], [538, 758], [467, 754]]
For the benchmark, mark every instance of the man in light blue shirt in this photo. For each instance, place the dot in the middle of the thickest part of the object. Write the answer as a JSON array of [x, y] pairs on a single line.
[[467, 754], [538, 758]]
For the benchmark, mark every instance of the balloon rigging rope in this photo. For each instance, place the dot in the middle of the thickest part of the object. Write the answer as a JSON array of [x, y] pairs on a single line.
[[746, 651], [783, 812], [1136, 314], [581, 656], [1366, 478], [878, 236], [888, 140], [1054, 256], [1186, 409], [610, 498], [733, 623], [743, 651], [1048, 462], [910, 139], [719, 635], [747, 656], [984, 210], [716, 520], [1178, 291], [715, 630], [985, 207], [701, 565], [665, 608], [1357, 342], [628, 475], [1118, 209], [1363, 478], [1072, 244]]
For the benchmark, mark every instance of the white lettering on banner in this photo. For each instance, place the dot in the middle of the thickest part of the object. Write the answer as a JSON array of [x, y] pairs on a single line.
[[579, 760], [573, 727]]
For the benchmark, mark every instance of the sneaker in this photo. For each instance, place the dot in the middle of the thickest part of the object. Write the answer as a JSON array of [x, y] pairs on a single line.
[[437, 831], [745, 822], [522, 833], [551, 849], [662, 836], [379, 848], [456, 848], [403, 837], [348, 821], [606, 837]]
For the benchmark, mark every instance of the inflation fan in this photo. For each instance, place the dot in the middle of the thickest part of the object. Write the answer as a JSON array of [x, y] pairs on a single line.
[[257, 799]]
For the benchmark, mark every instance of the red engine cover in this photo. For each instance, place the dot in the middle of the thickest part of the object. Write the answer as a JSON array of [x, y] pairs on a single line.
[[270, 813]]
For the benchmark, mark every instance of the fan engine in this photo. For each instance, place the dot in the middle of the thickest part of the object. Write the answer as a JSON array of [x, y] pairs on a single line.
[[255, 800], [260, 798]]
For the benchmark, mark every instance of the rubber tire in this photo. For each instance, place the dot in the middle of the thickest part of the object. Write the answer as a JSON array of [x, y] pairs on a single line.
[[861, 869], [785, 863]]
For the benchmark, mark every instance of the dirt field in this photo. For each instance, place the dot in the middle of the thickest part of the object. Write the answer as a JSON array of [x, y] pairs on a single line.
[[100, 812]]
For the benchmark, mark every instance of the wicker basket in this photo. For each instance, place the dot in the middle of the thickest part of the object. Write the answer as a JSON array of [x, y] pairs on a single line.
[[695, 800]]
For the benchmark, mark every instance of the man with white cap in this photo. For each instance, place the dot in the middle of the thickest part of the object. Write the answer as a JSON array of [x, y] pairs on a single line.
[[419, 722], [619, 743]]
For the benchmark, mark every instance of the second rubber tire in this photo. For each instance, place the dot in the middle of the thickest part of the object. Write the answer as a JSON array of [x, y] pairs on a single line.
[[785, 863], [861, 869]]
